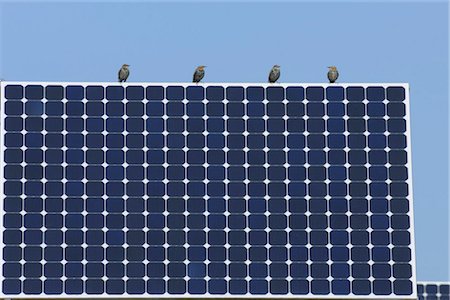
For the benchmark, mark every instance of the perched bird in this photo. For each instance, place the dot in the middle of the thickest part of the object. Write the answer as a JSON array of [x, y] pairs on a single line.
[[274, 74], [124, 73], [333, 74], [199, 74]]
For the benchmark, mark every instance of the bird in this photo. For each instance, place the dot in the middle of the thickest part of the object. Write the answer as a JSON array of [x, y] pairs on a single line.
[[274, 74], [199, 74], [124, 73], [333, 74]]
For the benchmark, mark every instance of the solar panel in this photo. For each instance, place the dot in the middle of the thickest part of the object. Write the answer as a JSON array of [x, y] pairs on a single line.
[[433, 290], [217, 190]]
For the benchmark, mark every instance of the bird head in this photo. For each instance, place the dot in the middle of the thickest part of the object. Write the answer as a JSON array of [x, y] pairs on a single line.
[[125, 66], [276, 66], [200, 68], [332, 68]]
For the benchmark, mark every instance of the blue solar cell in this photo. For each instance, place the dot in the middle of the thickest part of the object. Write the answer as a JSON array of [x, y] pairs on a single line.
[[255, 110], [215, 109], [315, 125], [134, 92], [295, 93], [336, 141], [396, 125], [316, 157], [376, 110], [293, 109], [258, 286], [382, 287], [14, 92], [315, 109], [35, 108], [97, 93], [255, 93], [34, 124], [35, 92], [235, 110], [356, 125], [403, 287], [375, 93], [13, 108], [134, 109], [54, 124], [275, 93], [14, 124], [53, 109], [355, 109], [339, 222], [237, 286], [74, 92], [355, 94], [195, 110], [175, 109], [314, 93], [195, 93], [335, 109], [376, 125], [154, 93], [444, 289], [395, 93], [335, 93], [112, 93], [215, 93]]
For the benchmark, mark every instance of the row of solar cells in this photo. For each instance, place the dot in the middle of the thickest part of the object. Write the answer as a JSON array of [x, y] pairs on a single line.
[[196, 157], [232, 110], [193, 173], [137, 205], [215, 222], [196, 238], [198, 93], [213, 127], [197, 141], [359, 255], [200, 286], [199, 189], [235, 237], [194, 269]]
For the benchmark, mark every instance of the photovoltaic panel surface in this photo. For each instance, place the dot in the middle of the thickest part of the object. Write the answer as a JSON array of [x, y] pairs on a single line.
[[219, 190], [433, 290]]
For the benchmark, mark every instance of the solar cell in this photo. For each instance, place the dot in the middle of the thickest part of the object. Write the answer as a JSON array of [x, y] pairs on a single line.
[[221, 190]]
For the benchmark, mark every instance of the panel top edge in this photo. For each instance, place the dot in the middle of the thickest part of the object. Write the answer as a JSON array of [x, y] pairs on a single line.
[[206, 84]]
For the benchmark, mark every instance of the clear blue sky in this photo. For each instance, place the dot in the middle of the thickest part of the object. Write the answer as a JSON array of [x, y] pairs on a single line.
[[239, 42]]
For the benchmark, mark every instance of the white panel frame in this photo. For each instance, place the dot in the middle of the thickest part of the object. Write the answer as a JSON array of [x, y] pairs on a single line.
[[229, 296]]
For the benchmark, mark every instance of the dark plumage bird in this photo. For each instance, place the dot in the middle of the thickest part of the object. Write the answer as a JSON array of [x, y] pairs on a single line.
[[124, 73], [333, 74], [199, 74], [274, 74]]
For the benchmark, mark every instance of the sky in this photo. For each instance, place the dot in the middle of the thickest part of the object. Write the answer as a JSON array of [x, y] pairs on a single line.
[[239, 41]]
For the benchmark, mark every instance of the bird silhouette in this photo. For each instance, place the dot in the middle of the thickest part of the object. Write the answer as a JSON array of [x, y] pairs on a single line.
[[274, 74], [199, 74], [124, 72], [333, 74]]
